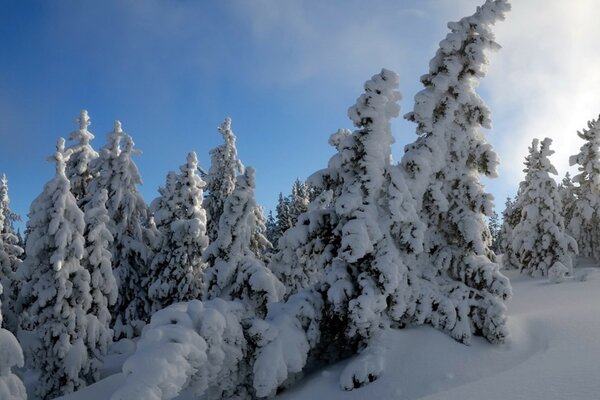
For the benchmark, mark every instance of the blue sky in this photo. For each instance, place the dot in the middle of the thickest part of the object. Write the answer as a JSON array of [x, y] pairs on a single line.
[[284, 71]]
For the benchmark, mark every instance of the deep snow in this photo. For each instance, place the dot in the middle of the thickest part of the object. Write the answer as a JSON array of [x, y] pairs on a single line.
[[552, 353]]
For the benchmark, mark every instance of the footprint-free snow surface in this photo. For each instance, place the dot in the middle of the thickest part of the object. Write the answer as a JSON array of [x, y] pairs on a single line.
[[553, 353]]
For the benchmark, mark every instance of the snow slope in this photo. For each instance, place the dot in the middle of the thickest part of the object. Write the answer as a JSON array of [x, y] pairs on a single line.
[[552, 353]]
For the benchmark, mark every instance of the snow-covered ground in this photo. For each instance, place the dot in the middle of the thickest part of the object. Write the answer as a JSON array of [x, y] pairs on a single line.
[[553, 353]]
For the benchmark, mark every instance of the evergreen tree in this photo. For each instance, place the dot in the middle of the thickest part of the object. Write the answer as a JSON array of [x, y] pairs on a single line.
[[234, 272], [271, 228], [98, 261], [539, 241], [131, 250], [584, 223], [299, 200], [566, 189], [10, 257], [78, 167], [444, 165], [11, 356], [510, 218], [220, 180], [176, 270], [56, 288], [495, 231], [360, 233]]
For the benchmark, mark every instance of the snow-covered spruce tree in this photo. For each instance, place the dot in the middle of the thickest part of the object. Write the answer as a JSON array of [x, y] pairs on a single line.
[[131, 251], [566, 189], [220, 180], [539, 241], [11, 356], [56, 288], [307, 248], [584, 224], [103, 286], [366, 279], [299, 199], [271, 229], [78, 167], [176, 271], [10, 258], [234, 272], [260, 244], [466, 292], [510, 218]]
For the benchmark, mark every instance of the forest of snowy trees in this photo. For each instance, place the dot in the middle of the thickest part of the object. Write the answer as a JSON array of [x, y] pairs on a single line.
[[225, 301]]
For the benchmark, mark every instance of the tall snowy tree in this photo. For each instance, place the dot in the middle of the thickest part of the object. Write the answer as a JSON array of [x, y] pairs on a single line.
[[234, 272], [56, 288], [444, 165], [10, 257], [11, 355], [220, 180], [539, 241], [176, 271], [78, 167], [131, 251], [584, 223], [98, 261], [363, 255]]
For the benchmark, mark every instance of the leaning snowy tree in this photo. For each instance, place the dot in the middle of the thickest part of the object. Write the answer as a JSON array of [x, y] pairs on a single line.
[[539, 242], [11, 356], [176, 271], [131, 251], [365, 276], [234, 272], [78, 167], [10, 257], [467, 290], [220, 180], [56, 288], [584, 223]]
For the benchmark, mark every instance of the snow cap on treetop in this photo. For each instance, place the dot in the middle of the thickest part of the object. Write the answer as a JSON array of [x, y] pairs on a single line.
[[61, 156]]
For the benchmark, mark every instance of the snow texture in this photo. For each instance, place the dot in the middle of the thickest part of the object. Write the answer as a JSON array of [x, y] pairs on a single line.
[[539, 242], [464, 292], [175, 273]]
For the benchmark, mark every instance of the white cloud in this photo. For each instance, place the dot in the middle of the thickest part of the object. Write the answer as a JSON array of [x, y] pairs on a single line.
[[545, 82]]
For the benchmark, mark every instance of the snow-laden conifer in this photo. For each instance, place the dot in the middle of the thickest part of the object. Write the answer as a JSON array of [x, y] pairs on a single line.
[[467, 290], [235, 272], [11, 355], [510, 218], [98, 261], [539, 241], [10, 258], [220, 180], [116, 172], [364, 278], [56, 288], [567, 190], [176, 271], [584, 222], [78, 167]]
